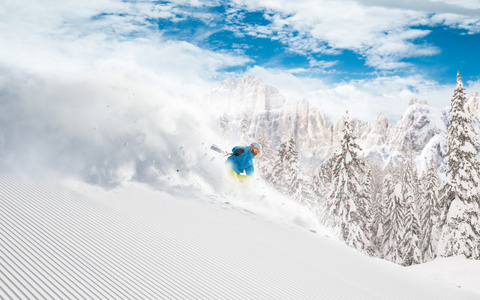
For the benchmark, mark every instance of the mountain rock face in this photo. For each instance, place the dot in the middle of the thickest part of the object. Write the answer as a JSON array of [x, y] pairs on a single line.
[[473, 100], [245, 95], [269, 114], [420, 133]]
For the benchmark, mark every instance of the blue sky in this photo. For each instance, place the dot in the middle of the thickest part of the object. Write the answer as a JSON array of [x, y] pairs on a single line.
[[252, 33], [367, 56], [457, 52]]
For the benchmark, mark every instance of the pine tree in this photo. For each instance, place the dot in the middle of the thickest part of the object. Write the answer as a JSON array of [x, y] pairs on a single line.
[[401, 225], [322, 181], [286, 175], [266, 159], [323, 178], [366, 208], [346, 199], [278, 170], [411, 241], [294, 182], [411, 180], [309, 195], [393, 226], [461, 230], [430, 213], [376, 211]]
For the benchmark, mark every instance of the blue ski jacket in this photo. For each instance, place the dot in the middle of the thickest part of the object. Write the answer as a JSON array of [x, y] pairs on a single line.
[[242, 162]]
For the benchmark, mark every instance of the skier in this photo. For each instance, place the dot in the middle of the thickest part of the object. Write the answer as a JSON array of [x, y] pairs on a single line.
[[241, 161]]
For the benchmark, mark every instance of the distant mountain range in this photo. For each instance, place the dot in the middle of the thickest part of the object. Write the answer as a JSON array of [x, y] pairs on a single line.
[[420, 132]]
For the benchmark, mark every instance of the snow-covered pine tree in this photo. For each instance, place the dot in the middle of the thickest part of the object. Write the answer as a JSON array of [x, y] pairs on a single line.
[[411, 180], [376, 210], [266, 159], [368, 184], [367, 194], [278, 170], [323, 178], [244, 128], [366, 208], [377, 176], [461, 230], [393, 219], [293, 176], [322, 181], [345, 198], [411, 196], [429, 210], [309, 196], [286, 175]]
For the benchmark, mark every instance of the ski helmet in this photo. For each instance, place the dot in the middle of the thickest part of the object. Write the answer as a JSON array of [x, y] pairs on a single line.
[[255, 148]]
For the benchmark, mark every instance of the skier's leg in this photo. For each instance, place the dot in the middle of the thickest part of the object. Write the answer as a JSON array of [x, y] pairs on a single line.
[[232, 177], [244, 179]]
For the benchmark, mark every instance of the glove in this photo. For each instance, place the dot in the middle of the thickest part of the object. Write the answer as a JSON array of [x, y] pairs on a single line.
[[238, 151]]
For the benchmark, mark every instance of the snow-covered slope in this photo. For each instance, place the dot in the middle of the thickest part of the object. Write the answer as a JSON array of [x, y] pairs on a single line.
[[64, 239]]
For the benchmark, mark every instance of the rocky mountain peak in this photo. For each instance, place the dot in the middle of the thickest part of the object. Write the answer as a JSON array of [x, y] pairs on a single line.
[[420, 132], [473, 102], [382, 120], [416, 101], [243, 96]]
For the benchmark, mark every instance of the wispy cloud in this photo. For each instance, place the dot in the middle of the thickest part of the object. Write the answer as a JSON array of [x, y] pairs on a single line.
[[363, 98], [383, 35], [470, 24], [80, 35]]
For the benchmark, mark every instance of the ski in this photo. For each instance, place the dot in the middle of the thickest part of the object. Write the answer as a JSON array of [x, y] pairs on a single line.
[[219, 150]]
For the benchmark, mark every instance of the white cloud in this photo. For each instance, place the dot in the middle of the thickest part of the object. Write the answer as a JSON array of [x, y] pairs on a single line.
[[381, 32], [472, 25], [292, 87], [465, 8], [469, 4], [77, 36], [364, 99], [472, 86], [322, 64]]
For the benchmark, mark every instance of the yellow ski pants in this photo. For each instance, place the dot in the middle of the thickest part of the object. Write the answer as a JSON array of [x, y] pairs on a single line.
[[239, 178]]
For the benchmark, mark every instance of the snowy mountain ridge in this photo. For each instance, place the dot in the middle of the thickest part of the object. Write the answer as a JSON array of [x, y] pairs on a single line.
[[420, 132]]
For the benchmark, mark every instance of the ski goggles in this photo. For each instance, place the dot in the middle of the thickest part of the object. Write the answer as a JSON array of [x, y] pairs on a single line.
[[254, 150]]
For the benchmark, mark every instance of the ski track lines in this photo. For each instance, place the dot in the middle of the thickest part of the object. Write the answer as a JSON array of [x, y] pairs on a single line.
[[61, 242], [53, 250]]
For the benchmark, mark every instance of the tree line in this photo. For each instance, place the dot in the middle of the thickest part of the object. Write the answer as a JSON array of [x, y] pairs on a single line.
[[390, 212]]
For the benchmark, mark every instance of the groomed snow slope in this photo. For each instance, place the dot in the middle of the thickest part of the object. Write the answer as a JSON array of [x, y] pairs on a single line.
[[68, 240]]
